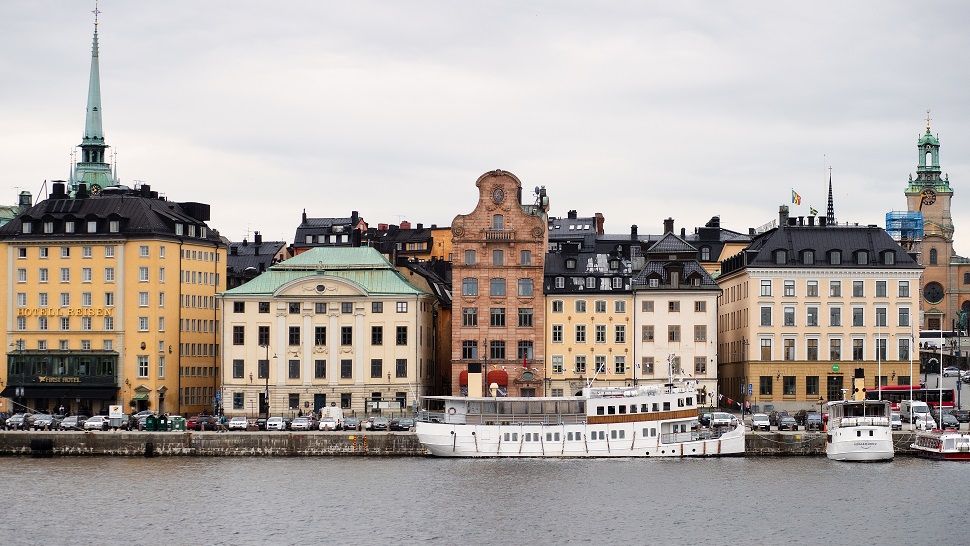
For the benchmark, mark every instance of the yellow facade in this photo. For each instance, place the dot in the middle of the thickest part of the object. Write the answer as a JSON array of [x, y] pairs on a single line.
[[586, 330], [73, 304]]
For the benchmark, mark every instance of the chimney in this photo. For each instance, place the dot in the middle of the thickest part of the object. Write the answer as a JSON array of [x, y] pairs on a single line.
[[683, 233], [82, 191], [822, 221], [25, 201], [801, 220], [257, 238], [57, 190], [783, 215], [669, 225], [381, 227], [233, 250], [633, 232], [434, 226], [405, 224], [304, 216], [146, 190], [571, 214], [600, 220], [751, 231], [245, 242], [811, 220], [420, 225]]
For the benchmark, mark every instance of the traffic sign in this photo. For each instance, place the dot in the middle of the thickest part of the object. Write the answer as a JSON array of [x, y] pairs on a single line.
[[835, 367]]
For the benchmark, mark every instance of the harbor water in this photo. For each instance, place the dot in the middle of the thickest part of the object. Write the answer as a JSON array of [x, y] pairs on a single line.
[[174, 500]]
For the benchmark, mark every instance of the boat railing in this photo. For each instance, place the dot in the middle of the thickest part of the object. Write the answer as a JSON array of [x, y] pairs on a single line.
[[501, 418], [694, 435], [863, 421]]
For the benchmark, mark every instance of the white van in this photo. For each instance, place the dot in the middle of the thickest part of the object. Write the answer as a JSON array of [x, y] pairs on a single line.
[[913, 411]]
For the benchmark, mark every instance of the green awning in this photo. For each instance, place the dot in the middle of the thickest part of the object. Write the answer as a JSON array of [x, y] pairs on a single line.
[[140, 396]]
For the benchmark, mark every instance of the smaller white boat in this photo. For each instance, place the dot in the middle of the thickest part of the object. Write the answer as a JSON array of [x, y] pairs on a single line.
[[946, 446], [859, 431]]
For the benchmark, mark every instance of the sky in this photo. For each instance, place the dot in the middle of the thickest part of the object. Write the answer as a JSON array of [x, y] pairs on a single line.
[[637, 110]]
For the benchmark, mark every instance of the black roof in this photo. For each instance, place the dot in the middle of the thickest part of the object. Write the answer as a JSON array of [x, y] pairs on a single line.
[[315, 227], [247, 259], [438, 275], [691, 275], [872, 241], [139, 213]]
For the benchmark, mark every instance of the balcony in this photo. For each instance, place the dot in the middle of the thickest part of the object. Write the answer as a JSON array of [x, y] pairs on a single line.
[[499, 235]]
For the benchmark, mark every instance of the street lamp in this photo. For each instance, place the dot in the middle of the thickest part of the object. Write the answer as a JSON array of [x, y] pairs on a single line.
[[266, 393]]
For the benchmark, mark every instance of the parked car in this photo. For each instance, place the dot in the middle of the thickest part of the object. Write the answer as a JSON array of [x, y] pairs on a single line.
[[813, 421], [350, 423], [951, 370], [705, 419], [896, 421], [962, 415], [275, 423], [949, 422], [759, 421], [722, 419], [300, 423], [329, 423], [923, 421], [16, 421], [775, 416], [42, 421], [800, 416], [261, 423], [787, 422], [98, 422], [404, 423], [380, 423], [73, 422], [238, 423], [202, 422]]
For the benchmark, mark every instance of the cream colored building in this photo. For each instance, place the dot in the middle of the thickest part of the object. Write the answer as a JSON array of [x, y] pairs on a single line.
[[332, 326], [806, 305], [675, 307]]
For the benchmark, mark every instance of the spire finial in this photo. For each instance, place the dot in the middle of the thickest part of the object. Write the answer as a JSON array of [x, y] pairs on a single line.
[[96, 12], [830, 211], [928, 118]]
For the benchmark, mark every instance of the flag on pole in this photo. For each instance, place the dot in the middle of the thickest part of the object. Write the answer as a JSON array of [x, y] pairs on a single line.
[[525, 362], [795, 198], [813, 211]]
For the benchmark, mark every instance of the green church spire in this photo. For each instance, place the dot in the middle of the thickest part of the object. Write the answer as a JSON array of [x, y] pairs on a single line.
[[93, 169], [928, 163]]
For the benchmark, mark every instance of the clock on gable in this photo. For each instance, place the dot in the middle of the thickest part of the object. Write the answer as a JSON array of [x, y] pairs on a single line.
[[498, 195], [933, 292]]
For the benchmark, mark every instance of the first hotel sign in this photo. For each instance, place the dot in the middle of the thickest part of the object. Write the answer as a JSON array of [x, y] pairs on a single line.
[[65, 312]]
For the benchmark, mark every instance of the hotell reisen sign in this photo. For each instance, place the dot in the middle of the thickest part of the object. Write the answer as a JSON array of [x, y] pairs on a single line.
[[65, 312]]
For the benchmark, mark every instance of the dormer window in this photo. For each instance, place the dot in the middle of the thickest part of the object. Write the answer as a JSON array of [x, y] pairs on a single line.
[[781, 257], [560, 282], [179, 230], [114, 226], [696, 281], [202, 232], [48, 227], [889, 257], [27, 227], [69, 227], [92, 226], [705, 254], [835, 257], [862, 257], [654, 282], [590, 282], [808, 257], [614, 264], [191, 230], [617, 282], [570, 263]]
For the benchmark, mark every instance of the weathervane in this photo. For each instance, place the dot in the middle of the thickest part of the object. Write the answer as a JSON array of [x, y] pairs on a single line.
[[96, 12], [928, 119]]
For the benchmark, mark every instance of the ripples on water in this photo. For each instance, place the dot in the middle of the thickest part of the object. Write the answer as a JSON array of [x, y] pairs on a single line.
[[405, 500]]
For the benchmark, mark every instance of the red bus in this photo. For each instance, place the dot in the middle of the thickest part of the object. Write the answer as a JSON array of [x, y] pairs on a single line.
[[897, 393]]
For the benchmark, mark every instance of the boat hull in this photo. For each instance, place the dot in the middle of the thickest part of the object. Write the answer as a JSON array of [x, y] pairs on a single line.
[[846, 445], [457, 440]]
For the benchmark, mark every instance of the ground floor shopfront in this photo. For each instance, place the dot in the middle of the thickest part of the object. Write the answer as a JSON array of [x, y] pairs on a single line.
[[61, 382], [793, 385], [291, 401]]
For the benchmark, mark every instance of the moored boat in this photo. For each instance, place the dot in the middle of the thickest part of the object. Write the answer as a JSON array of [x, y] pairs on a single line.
[[859, 430], [947, 446], [642, 421]]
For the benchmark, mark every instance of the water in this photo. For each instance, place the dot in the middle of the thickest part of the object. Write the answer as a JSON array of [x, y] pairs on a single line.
[[407, 500]]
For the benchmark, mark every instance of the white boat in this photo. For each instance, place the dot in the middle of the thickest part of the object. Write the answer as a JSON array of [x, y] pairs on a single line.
[[947, 446], [643, 421], [859, 431]]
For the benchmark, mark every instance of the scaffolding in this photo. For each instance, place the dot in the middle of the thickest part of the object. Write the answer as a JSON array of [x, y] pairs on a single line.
[[905, 226]]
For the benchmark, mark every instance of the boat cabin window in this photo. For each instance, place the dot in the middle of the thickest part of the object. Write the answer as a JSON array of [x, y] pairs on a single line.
[[680, 402], [666, 406], [649, 432], [520, 408], [656, 406], [600, 410], [690, 400], [611, 410], [633, 408], [643, 408], [489, 407], [622, 409], [515, 436], [474, 408]]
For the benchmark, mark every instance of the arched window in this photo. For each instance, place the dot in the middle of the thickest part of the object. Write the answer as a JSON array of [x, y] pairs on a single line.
[[932, 256], [705, 254]]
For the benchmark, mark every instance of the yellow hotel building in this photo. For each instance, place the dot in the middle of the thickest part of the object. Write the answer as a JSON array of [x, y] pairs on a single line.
[[109, 299]]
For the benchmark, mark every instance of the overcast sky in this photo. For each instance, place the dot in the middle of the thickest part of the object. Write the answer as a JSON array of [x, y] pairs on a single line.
[[638, 110]]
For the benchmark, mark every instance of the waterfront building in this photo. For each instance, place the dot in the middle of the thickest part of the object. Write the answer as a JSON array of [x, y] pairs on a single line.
[[675, 316], [588, 305], [928, 231], [247, 260], [498, 318], [332, 325], [415, 243], [806, 304], [109, 296]]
